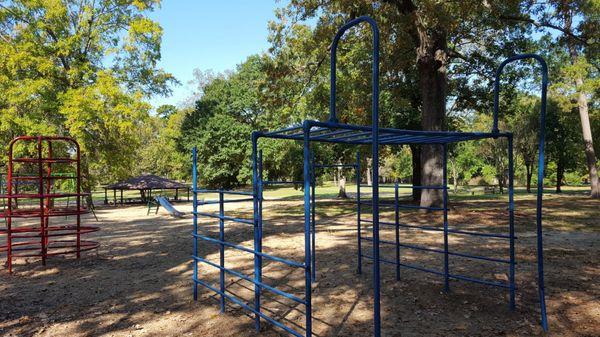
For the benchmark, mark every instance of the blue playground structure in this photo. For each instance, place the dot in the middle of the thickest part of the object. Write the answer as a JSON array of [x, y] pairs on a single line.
[[332, 131]]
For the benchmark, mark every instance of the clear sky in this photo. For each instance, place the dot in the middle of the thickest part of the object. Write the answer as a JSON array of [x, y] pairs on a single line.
[[209, 34]]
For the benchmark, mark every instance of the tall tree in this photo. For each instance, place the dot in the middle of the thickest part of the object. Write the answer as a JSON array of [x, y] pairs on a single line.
[[427, 42], [81, 68], [575, 23]]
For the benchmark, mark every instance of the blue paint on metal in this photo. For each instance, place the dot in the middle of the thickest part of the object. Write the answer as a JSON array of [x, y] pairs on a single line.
[[358, 211], [307, 236], [445, 208], [334, 132], [195, 209], [511, 223], [541, 163], [313, 182], [256, 232], [397, 230]]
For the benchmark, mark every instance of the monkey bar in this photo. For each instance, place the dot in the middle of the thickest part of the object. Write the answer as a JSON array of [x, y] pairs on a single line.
[[34, 235], [332, 131]]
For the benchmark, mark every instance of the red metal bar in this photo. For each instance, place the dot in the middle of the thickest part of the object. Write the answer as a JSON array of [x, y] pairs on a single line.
[[40, 240]]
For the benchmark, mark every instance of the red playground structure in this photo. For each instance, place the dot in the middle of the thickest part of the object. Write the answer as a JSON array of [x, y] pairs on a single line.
[[40, 170]]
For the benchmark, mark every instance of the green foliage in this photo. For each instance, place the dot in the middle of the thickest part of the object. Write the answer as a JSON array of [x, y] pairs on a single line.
[[81, 69], [223, 152]]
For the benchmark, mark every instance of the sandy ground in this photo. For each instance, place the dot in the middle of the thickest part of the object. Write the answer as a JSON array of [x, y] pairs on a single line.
[[138, 283]]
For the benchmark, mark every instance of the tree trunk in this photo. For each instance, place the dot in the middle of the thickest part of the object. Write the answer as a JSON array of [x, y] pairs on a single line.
[[582, 105], [369, 175], [416, 171], [560, 173], [454, 175], [431, 65], [529, 169], [588, 141], [342, 191]]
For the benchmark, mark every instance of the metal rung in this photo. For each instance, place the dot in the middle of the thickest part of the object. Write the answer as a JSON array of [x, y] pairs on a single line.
[[223, 191], [213, 202], [454, 231], [270, 182], [249, 279], [454, 276], [336, 166], [248, 307], [247, 250], [391, 203], [440, 251], [224, 217]]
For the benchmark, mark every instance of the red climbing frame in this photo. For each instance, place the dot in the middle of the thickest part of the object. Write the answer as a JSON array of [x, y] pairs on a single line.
[[26, 236]]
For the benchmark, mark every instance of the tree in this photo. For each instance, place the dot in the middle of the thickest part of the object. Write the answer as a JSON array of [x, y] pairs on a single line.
[[575, 24], [81, 69], [428, 42]]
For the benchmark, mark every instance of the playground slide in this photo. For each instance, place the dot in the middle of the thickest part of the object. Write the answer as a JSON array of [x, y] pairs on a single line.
[[169, 207]]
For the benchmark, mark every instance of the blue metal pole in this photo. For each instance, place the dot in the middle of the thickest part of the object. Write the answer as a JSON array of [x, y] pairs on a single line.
[[195, 221], [257, 234], [313, 225], [358, 220], [397, 222], [541, 163], [222, 250], [375, 149], [445, 201], [511, 222], [307, 236]]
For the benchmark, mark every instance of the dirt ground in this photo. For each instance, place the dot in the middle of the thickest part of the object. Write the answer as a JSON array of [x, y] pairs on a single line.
[[138, 283]]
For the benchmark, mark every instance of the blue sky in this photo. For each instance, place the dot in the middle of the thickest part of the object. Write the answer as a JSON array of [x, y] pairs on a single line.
[[207, 34]]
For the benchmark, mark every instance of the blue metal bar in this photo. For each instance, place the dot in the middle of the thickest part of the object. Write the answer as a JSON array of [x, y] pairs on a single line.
[[256, 232], [541, 163], [358, 220], [249, 308], [397, 228], [195, 211], [313, 220], [214, 202], [251, 280], [511, 223], [336, 166], [222, 249], [307, 227], [391, 203], [453, 276], [433, 187], [450, 230], [224, 217], [248, 250], [268, 182], [479, 281], [445, 206], [406, 265], [441, 251], [224, 191]]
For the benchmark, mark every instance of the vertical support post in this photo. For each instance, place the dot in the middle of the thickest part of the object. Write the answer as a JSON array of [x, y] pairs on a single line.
[[445, 205], [222, 250], [9, 192], [105, 196], [41, 196], [397, 223], [358, 209], [313, 221], [78, 200], [511, 222], [307, 223], [121, 191], [257, 225], [195, 221]]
